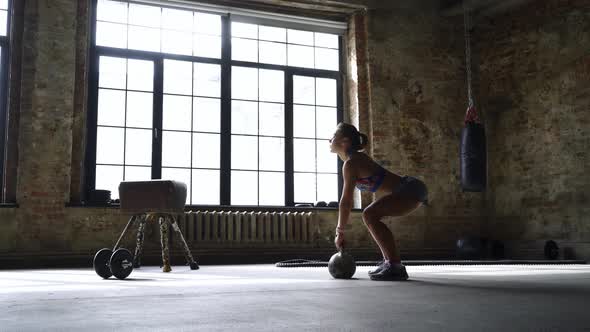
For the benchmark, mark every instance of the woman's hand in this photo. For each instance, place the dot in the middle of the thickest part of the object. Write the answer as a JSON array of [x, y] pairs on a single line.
[[339, 240]]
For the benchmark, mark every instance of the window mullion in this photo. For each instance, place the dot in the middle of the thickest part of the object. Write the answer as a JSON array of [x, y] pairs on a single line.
[[3, 113], [225, 172], [92, 121], [289, 177], [157, 119]]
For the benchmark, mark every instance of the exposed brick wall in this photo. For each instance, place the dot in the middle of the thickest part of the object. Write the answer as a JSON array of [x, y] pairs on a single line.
[[45, 138], [418, 99], [360, 111], [7, 230], [535, 94]]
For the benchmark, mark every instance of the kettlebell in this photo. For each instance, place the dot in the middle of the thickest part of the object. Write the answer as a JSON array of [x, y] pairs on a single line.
[[342, 265]]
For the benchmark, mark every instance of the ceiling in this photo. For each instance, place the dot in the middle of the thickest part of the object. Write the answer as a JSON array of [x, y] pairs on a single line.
[[340, 9], [480, 8]]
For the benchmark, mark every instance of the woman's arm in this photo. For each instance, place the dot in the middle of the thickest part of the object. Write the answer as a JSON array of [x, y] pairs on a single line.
[[347, 193]]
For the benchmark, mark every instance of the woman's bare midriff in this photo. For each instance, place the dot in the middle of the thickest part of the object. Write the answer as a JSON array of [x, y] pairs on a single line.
[[390, 182], [368, 167]]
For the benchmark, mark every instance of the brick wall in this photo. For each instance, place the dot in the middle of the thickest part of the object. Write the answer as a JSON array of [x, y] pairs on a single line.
[[45, 138], [418, 99], [533, 85], [534, 90]]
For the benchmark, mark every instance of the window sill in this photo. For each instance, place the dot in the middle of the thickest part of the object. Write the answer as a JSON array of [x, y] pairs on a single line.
[[223, 207], [8, 205], [88, 205]]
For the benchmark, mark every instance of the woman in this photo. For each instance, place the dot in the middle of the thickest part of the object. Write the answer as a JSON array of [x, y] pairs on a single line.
[[398, 196]]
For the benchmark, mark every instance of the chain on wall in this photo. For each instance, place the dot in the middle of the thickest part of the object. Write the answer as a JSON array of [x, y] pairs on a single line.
[[467, 28]]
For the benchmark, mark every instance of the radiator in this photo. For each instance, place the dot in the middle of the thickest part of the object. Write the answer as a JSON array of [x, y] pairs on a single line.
[[249, 227]]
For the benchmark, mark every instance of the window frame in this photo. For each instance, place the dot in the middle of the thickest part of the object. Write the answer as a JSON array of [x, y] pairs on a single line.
[[226, 64], [4, 68]]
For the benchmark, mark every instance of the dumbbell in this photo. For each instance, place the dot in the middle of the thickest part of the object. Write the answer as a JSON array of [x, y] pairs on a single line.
[[108, 263], [324, 204]]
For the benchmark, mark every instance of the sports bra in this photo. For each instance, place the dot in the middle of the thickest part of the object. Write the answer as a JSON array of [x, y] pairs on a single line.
[[371, 183]]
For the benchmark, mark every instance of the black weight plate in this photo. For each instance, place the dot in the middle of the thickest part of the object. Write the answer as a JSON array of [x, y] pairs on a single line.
[[101, 263], [121, 263], [551, 250]]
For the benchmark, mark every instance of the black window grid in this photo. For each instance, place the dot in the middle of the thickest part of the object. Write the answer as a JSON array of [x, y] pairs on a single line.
[[126, 90], [258, 170], [160, 28], [225, 127]]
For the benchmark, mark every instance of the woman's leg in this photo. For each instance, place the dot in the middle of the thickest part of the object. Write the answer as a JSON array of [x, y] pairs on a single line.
[[390, 205]]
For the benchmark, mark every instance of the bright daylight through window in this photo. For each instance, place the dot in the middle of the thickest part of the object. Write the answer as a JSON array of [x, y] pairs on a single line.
[[242, 113]]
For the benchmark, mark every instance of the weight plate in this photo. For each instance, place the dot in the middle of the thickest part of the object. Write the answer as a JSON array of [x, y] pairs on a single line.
[[121, 263], [551, 250], [101, 263]]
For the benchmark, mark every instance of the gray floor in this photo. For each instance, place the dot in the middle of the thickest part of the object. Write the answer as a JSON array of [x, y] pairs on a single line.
[[265, 298]]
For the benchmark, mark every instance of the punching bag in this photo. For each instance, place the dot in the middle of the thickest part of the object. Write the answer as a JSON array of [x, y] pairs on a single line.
[[473, 138], [473, 154]]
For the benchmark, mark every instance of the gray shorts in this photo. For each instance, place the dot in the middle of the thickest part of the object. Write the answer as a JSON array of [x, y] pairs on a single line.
[[411, 187]]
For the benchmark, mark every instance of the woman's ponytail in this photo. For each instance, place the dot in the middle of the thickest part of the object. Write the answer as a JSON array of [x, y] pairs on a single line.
[[364, 140]]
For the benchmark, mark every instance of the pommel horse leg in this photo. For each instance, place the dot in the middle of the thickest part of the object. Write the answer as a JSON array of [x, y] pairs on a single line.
[[187, 253], [139, 242], [129, 224], [164, 241]]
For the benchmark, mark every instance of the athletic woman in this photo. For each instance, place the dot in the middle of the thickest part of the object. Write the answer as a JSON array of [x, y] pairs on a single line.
[[398, 196]]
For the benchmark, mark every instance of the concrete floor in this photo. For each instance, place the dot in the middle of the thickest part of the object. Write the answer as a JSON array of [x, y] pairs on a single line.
[[258, 298]]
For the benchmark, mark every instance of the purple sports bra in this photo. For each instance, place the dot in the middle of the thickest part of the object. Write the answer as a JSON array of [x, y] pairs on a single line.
[[371, 183]]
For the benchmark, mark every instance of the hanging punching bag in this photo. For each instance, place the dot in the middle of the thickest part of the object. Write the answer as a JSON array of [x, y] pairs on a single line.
[[473, 154], [473, 138]]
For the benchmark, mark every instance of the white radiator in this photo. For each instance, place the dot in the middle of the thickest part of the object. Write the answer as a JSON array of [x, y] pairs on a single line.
[[248, 227]]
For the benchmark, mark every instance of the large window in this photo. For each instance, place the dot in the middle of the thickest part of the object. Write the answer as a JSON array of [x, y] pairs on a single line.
[[240, 112], [4, 42]]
